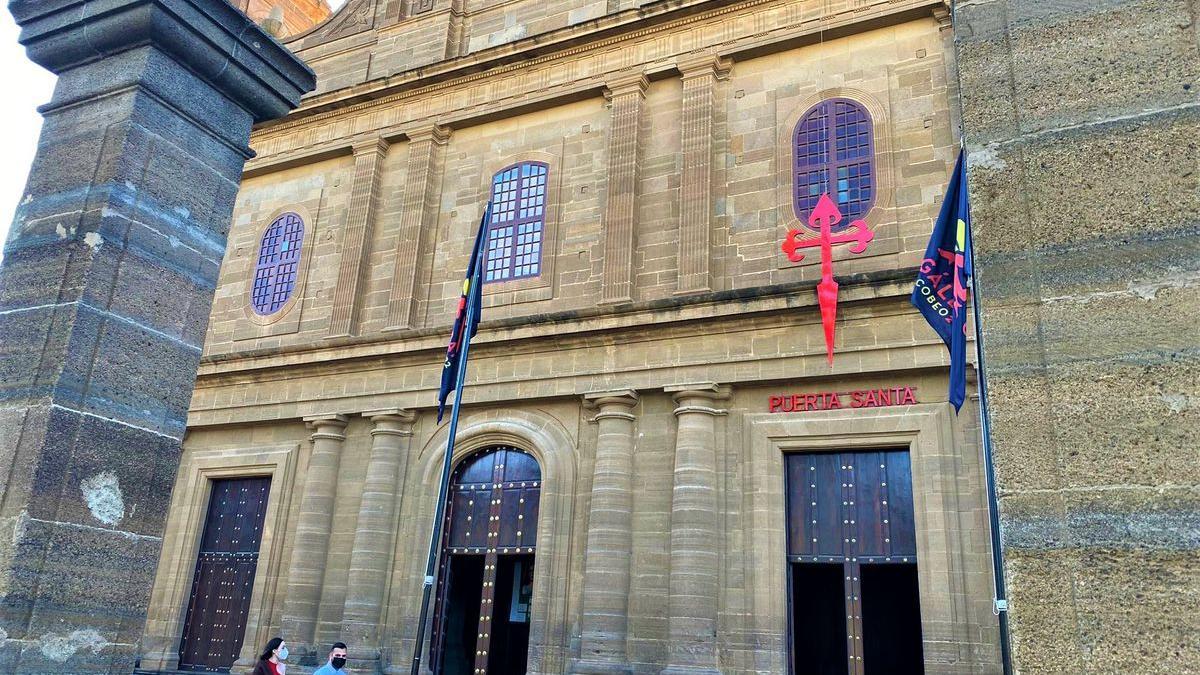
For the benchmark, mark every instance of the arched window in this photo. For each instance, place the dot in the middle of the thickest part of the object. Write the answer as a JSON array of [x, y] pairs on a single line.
[[834, 152], [278, 258], [514, 243]]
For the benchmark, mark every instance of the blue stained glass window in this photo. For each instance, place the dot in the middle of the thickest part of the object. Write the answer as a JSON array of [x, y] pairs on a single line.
[[514, 237], [834, 152], [278, 260]]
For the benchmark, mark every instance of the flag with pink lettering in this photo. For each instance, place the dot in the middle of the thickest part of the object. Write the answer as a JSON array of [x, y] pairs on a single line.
[[943, 280]]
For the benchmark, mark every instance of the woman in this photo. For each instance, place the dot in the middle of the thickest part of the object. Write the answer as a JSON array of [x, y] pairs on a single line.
[[270, 662]]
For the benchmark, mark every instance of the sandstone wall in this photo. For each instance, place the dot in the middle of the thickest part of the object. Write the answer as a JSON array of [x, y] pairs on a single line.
[[1081, 120]]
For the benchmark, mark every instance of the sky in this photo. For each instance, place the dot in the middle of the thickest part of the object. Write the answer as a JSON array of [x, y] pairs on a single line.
[[26, 86]]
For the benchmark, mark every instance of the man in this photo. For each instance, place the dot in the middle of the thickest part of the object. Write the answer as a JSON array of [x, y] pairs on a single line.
[[337, 661]]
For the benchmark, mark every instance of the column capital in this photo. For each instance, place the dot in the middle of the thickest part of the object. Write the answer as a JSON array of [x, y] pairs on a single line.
[[611, 404], [327, 426], [391, 421], [696, 65], [693, 397], [433, 132], [376, 144], [626, 83]]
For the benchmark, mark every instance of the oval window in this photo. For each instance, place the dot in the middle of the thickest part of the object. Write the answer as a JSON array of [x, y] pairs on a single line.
[[278, 260]]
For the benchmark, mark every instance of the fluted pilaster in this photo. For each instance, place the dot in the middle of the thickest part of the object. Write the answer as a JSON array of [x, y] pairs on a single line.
[[418, 217], [360, 224], [699, 76], [620, 209]]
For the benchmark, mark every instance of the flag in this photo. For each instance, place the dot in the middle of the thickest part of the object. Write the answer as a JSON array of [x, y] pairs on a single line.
[[941, 289], [466, 321]]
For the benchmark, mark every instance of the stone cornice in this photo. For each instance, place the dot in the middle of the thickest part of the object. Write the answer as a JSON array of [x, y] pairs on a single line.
[[214, 40], [583, 324], [398, 90]]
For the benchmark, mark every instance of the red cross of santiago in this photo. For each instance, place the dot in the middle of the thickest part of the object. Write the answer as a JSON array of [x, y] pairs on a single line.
[[823, 219]]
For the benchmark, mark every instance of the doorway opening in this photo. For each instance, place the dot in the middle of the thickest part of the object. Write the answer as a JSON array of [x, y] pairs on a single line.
[[852, 574], [485, 580], [215, 624]]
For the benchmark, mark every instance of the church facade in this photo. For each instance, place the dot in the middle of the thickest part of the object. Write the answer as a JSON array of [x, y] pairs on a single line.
[[659, 468]]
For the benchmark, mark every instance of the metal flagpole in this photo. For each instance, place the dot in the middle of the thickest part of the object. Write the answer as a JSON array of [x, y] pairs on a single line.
[[444, 488], [1000, 602]]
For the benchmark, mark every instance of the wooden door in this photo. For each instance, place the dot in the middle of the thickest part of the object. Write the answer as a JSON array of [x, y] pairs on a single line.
[[485, 577], [216, 617], [851, 515]]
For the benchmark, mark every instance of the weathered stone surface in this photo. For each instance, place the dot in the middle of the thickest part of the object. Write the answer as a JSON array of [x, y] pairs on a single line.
[[107, 281], [1081, 119]]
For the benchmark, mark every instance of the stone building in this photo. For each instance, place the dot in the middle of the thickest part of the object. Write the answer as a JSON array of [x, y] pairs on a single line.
[[294, 16], [658, 468]]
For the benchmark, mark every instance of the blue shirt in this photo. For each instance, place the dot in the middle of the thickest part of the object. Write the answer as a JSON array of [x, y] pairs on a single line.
[[328, 669]]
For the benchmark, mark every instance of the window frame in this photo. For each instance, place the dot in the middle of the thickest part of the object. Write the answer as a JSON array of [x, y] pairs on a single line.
[[517, 221], [832, 163], [286, 260]]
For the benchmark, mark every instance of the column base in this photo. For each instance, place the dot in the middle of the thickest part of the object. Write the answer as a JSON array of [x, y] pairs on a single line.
[[592, 667]]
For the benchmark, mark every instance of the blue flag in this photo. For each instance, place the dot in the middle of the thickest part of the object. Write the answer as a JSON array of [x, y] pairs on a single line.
[[466, 321], [941, 290]]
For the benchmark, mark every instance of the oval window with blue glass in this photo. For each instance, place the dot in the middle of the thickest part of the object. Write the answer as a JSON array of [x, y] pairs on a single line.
[[278, 261]]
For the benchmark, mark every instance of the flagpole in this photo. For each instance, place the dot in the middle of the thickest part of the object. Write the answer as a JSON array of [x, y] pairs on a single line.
[[1000, 601], [444, 487]]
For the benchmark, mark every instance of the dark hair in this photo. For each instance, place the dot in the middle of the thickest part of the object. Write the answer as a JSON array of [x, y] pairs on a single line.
[[338, 645], [272, 645]]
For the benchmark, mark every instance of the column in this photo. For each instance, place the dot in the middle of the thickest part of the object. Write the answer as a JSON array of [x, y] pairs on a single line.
[[418, 216], [369, 561], [313, 525], [609, 537], [620, 207], [105, 289], [696, 204], [692, 600], [356, 238]]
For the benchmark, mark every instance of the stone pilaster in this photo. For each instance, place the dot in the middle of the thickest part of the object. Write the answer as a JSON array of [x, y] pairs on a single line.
[[695, 544], [313, 525], [699, 76], [620, 208], [456, 29], [356, 238], [417, 217], [105, 290], [370, 560], [609, 538]]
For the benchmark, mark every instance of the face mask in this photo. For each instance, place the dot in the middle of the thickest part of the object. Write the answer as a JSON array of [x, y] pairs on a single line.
[[283, 654], [338, 662]]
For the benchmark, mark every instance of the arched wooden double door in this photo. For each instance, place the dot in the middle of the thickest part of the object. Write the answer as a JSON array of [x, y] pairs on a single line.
[[485, 580]]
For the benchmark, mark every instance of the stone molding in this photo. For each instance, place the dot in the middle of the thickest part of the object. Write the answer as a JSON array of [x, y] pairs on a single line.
[[556, 450], [926, 430], [539, 78], [177, 559]]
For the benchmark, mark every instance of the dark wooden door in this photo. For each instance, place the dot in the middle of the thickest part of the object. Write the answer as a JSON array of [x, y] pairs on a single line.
[[216, 617], [853, 512], [485, 578]]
